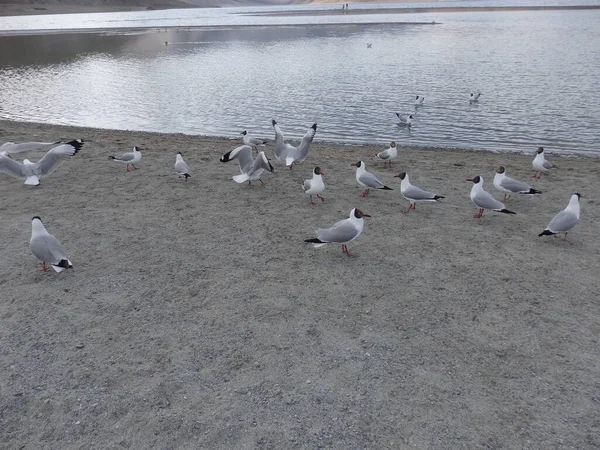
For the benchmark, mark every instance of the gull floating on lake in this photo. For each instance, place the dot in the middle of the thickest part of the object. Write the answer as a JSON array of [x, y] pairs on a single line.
[[342, 232], [10, 147], [473, 98], [565, 220], [484, 200], [405, 119], [415, 194], [288, 152], [388, 155], [46, 247], [540, 164], [251, 168], [132, 157], [181, 167], [252, 141], [367, 179], [32, 172], [509, 186], [315, 185], [419, 100]]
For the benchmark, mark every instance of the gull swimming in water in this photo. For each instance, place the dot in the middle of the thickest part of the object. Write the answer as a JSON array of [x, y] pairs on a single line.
[[415, 194], [342, 232], [315, 185], [509, 186], [565, 220], [252, 141], [419, 100], [181, 167], [10, 147], [388, 155], [473, 98], [128, 158], [540, 164], [484, 200], [367, 179], [46, 247], [289, 153], [251, 168], [405, 119], [33, 172]]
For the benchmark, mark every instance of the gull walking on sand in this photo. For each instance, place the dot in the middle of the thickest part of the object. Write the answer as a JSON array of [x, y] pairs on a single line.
[[289, 153], [10, 147], [484, 200], [388, 155], [315, 185], [419, 100], [252, 141], [181, 167], [540, 164], [405, 120], [509, 186], [46, 247], [565, 220], [132, 157], [474, 98], [367, 180], [342, 232], [415, 194], [251, 168], [33, 172]]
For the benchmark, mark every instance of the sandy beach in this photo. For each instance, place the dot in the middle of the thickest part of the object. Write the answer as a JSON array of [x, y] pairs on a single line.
[[197, 317]]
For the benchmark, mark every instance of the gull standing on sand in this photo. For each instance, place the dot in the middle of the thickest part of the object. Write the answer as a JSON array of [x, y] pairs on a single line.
[[10, 147], [32, 172], [565, 220], [181, 167], [540, 164], [315, 185], [134, 156], [405, 120], [46, 247], [415, 194], [388, 155], [474, 98], [252, 141], [484, 200], [342, 232], [367, 179], [509, 186], [251, 168], [288, 152], [419, 100]]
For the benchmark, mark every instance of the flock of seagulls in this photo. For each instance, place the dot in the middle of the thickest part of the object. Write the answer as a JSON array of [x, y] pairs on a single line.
[[49, 250]]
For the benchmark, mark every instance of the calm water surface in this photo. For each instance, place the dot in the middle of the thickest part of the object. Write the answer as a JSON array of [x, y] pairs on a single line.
[[537, 71]]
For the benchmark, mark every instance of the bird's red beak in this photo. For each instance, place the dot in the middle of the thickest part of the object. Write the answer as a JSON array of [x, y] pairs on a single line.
[[469, 179], [366, 215], [354, 165]]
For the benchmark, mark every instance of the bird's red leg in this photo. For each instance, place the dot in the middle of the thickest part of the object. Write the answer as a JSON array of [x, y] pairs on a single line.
[[365, 193], [261, 182], [322, 199], [408, 210], [311, 201], [566, 232], [504, 199], [249, 183], [44, 266], [127, 168], [134, 168]]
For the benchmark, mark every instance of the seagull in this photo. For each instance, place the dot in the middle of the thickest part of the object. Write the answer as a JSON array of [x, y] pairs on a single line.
[[388, 155], [484, 200], [251, 168], [314, 186], [473, 98], [46, 247], [540, 164], [252, 141], [131, 157], [288, 152], [367, 180], [32, 172], [342, 232], [509, 186], [405, 120], [414, 193], [10, 147], [565, 220], [419, 100], [181, 168]]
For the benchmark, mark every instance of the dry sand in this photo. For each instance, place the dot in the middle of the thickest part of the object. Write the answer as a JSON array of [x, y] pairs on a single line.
[[196, 317]]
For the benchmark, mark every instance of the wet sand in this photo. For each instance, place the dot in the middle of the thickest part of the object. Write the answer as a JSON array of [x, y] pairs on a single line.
[[197, 317]]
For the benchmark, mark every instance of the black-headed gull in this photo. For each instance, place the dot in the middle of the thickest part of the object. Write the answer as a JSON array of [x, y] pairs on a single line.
[[474, 97], [367, 180], [181, 167], [540, 164], [252, 141], [388, 155], [315, 185], [405, 120], [132, 157], [32, 172], [342, 232], [419, 100], [565, 220], [484, 200], [508, 185], [251, 168], [46, 247], [289, 153], [11, 147], [415, 194]]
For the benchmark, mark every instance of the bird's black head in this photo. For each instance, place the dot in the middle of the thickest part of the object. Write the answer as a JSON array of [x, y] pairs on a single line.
[[36, 217], [359, 214], [317, 171], [357, 164], [179, 153], [244, 133], [540, 150], [401, 175], [273, 122], [411, 116], [475, 179], [501, 169], [393, 144], [417, 97], [578, 195]]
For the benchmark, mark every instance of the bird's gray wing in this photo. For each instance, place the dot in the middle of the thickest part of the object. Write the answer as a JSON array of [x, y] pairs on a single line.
[[243, 153], [514, 185], [547, 164], [11, 147], [51, 160], [563, 221], [306, 185], [402, 118], [125, 157], [280, 147], [370, 180], [301, 152], [341, 232], [485, 200], [48, 249], [384, 154], [13, 168], [260, 163], [181, 167], [416, 193], [257, 141]]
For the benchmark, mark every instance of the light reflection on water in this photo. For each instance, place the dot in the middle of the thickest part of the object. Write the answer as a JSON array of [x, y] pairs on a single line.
[[537, 72]]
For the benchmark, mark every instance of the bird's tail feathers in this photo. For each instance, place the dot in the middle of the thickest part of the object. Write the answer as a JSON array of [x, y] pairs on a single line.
[[241, 178], [32, 180], [546, 233], [62, 265], [385, 188]]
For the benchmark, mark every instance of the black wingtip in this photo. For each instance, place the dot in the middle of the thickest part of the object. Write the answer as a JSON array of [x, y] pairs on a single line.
[[437, 197], [64, 263], [225, 157], [506, 211], [546, 233], [385, 188], [187, 175], [314, 126], [314, 241], [111, 157], [76, 143], [534, 191], [273, 122]]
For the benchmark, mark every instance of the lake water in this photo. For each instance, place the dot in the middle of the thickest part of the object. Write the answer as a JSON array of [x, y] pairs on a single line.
[[537, 71]]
